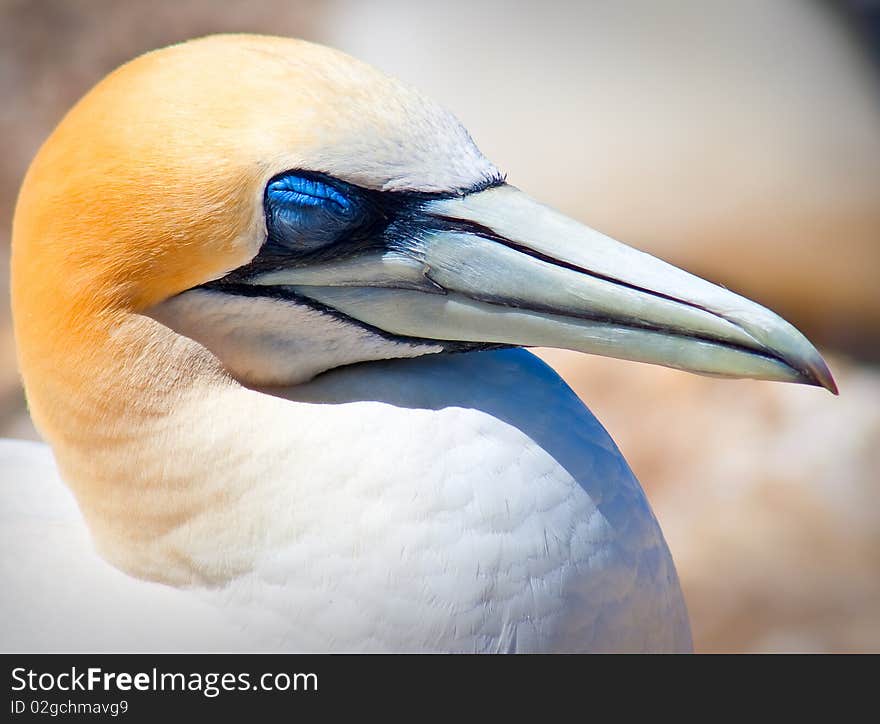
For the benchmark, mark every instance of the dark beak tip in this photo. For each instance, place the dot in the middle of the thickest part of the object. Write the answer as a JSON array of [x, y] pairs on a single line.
[[820, 375], [829, 385]]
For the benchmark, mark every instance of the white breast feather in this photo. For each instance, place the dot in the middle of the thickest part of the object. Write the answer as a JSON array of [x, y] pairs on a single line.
[[459, 503]]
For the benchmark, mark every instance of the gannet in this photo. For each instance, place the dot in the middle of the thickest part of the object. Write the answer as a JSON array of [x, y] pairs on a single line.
[[241, 266]]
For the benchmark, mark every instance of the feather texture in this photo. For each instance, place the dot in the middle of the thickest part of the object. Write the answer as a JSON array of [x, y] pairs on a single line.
[[461, 503]]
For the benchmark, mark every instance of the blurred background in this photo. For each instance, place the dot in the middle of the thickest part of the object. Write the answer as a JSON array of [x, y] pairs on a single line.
[[738, 140]]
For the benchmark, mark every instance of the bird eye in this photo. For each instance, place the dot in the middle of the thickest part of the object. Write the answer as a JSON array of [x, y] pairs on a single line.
[[304, 212]]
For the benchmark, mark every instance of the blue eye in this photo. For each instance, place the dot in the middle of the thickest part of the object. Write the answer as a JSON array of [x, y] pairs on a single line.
[[298, 190], [305, 212]]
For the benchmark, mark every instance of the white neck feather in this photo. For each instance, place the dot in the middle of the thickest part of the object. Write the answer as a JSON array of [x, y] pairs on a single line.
[[359, 501]]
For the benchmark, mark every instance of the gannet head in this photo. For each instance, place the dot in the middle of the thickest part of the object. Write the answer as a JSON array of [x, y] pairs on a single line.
[[294, 210]]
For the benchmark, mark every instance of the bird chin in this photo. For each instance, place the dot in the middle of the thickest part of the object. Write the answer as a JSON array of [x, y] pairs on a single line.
[[273, 341]]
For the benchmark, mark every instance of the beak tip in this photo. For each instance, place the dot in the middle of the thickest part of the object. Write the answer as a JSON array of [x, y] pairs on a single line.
[[831, 385], [820, 376]]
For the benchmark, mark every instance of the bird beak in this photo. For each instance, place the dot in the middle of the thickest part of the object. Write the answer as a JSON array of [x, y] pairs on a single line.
[[498, 267]]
